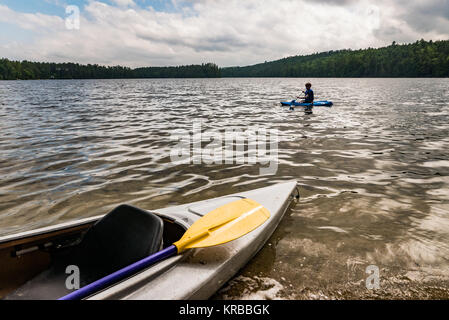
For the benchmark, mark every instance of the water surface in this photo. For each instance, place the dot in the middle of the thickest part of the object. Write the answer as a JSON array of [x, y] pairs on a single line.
[[373, 171]]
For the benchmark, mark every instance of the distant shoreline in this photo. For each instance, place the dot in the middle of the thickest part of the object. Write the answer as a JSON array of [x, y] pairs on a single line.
[[422, 59], [195, 78]]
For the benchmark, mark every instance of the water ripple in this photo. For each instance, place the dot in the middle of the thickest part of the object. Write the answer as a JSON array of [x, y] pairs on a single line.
[[373, 169]]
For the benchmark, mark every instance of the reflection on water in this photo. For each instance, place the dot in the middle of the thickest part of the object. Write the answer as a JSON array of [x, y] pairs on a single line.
[[373, 171]]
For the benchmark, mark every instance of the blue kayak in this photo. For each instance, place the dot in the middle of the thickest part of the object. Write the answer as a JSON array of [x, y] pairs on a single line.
[[303, 104]]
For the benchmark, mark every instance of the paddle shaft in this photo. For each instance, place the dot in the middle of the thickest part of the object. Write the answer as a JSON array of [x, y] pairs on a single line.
[[121, 274]]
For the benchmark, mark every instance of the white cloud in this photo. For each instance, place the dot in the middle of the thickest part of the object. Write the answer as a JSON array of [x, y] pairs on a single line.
[[227, 32], [37, 22], [124, 3]]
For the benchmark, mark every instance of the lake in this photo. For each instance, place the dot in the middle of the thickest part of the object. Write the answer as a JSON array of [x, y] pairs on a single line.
[[373, 171]]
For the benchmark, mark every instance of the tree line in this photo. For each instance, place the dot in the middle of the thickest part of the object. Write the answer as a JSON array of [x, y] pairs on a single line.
[[419, 59], [26, 70], [208, 70]]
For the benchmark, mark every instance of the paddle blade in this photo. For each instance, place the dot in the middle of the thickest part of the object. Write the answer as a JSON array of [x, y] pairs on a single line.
[[224, 224]]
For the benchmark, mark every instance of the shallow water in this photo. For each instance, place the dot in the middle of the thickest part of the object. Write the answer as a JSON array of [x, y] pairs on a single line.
[[373, 171]]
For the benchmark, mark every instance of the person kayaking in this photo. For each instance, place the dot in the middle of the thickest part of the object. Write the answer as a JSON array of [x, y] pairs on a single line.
[[308, 97]]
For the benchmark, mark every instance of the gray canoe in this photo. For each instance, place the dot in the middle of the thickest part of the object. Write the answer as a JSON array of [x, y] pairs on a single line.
[[195, 274]]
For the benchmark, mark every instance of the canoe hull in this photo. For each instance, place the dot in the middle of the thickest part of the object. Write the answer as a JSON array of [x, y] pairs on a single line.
[[195, 274], [300, 104], [208, 269]]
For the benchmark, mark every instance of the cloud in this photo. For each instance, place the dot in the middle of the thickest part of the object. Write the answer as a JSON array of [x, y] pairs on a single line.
[[227, 32], [334, 2], [37, 22], [427, 17], [124, 3], [410, 20]]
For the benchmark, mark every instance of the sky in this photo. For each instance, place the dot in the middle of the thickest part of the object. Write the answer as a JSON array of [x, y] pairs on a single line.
[[139, 33]]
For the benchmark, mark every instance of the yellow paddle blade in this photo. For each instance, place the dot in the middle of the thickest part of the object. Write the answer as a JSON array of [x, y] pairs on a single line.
[[224, 224]]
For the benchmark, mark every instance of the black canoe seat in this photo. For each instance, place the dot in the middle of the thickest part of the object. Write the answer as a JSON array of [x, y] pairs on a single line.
[[122, 237], [125, 235]]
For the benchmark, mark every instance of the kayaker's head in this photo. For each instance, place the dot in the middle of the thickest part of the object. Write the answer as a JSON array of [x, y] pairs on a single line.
[[308, 85]]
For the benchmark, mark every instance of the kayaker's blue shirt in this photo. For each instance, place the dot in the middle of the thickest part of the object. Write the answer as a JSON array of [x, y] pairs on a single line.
[[309, 96]]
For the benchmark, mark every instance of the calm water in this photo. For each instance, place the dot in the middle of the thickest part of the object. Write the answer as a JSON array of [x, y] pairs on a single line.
[[373, 171]]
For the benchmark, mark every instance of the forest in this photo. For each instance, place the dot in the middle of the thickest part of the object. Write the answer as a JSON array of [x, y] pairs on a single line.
[[26, 70], [419, 59]]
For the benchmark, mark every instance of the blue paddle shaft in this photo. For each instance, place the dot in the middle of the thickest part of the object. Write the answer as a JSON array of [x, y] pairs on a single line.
[[121, 274]]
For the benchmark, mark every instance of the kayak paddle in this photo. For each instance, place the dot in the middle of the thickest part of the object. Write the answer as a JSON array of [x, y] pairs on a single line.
[[224, 224]]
